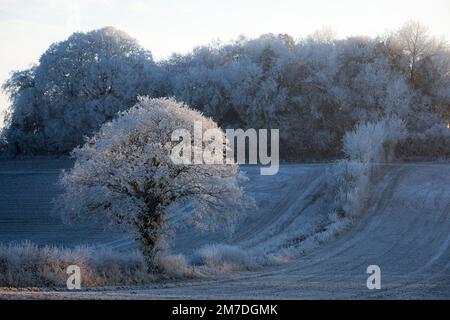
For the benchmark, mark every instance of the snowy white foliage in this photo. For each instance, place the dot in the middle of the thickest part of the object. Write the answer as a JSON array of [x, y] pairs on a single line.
[[224, 258], [27, 265], [314, 90], [374, 142], [78, 84], [124, 174], [367, 147], [349, 182], [433, 142]]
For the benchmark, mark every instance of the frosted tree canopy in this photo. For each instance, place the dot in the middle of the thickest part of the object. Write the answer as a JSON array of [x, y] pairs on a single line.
[[124, 175], [77, 85], [314, 90]]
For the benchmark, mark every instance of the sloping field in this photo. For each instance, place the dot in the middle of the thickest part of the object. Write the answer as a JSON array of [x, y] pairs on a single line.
[[27, 188], [405, 230]]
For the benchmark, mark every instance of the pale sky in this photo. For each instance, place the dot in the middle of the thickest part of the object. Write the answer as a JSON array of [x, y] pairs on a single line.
[[28, 27]]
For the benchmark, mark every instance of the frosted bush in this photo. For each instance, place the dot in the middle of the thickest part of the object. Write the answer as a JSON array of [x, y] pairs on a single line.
[[374, 141], [27, 265], [315, 88], [433, 143], [175, 266], [349, 182], [366, 147], [224, 258]]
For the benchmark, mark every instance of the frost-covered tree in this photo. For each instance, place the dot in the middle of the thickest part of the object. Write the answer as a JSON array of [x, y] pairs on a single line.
[[418, 46], [318, 88], [77, 85], [314, 90], [124, 174], [366, 148]]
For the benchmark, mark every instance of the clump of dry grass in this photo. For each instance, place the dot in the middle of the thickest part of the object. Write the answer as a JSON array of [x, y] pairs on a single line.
[[28, 265]]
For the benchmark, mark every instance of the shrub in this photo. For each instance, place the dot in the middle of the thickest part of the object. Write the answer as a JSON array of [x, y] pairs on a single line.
[[27, 265], [433, 143], [374, 142], [367, 147], [224, 258]]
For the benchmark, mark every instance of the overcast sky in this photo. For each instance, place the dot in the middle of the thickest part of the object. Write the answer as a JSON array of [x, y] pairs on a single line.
[[28, 27]]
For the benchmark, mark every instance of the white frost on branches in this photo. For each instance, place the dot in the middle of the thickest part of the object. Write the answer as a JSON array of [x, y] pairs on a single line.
[[125, 175]]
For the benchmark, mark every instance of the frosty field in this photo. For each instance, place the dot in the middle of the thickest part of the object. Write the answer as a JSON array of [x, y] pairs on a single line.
[[288, 248]]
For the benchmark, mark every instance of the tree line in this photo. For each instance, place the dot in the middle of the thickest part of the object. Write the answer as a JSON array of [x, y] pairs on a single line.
[[314, 89]]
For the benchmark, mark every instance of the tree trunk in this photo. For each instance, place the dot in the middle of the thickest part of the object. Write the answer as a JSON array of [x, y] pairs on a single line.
[[150, 226]]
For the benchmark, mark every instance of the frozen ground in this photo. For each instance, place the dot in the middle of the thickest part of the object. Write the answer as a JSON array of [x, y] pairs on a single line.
[[405, 230]]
